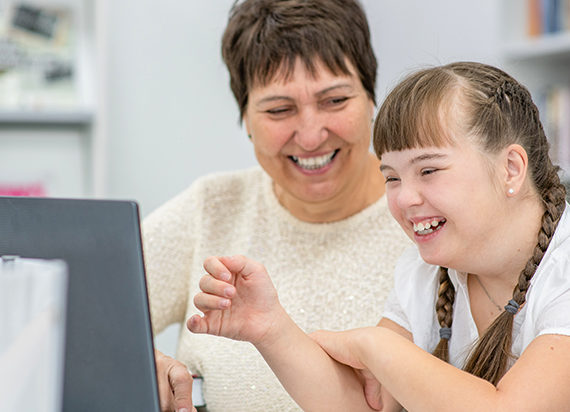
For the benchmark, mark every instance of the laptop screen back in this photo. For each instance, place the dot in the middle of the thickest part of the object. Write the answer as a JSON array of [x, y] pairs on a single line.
[[109, 359]]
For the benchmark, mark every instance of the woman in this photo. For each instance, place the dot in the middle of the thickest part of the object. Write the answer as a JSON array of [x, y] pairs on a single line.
[[303, 74], [486, 289]]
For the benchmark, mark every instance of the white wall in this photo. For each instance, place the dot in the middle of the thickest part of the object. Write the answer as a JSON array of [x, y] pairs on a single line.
[[53, 158], [408, 34], [171, 116]]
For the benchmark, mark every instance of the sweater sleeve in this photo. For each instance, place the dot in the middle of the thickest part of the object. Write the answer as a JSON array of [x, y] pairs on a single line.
[[168, 241]]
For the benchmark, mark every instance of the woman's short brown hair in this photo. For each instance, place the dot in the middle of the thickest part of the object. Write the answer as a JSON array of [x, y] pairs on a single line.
[[264, 38]]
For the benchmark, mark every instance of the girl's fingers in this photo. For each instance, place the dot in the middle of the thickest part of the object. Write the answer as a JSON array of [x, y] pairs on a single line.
[[205, 302], [197, 324], [222, 268], [242, 265], [372, 391], [210, 285], [217, 269]]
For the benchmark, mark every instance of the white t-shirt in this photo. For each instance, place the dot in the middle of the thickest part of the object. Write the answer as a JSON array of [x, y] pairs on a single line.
[[411, 303]]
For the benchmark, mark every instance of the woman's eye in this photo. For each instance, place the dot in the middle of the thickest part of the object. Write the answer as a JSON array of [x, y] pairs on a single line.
[[338, 100], [428, 171], [278, 110], [391, 179], [335, 101]]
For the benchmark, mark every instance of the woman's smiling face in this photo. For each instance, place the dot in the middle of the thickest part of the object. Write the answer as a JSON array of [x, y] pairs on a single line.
[[311, 133], [446, 200]]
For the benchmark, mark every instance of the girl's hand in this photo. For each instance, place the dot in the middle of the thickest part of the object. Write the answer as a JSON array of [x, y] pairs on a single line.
[[238, 300], [340, 346], [372, 390]]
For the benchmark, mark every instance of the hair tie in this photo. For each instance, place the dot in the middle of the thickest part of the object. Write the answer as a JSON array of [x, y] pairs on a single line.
[[512, 307], [445, 333]]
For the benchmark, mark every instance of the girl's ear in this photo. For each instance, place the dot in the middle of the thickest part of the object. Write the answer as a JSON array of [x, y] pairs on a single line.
[[516, 167]]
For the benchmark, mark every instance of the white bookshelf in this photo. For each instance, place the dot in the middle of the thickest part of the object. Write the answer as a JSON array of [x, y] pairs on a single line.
[[59, 144], [81, 118], [541, 62], [549, 46]]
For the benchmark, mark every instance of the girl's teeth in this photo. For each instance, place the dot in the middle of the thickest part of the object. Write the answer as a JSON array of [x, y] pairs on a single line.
[[426, 228]]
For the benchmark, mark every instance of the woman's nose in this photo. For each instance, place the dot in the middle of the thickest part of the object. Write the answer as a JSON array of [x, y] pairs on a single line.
[[311, 131]]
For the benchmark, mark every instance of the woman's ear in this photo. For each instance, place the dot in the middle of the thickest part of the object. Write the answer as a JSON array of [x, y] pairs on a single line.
[[516, 168], [372, 110], [246, 124]]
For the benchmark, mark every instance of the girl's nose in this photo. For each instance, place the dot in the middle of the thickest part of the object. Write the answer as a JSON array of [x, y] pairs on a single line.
[[408, 196]]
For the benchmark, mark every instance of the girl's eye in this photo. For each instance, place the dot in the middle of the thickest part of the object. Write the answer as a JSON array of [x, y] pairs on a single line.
[[391, 179]]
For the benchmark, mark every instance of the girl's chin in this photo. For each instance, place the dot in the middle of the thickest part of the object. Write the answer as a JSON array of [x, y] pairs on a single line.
[[432, 259]]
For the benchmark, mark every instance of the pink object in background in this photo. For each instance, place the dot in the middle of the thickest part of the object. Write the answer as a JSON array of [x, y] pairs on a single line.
[[35, 189]]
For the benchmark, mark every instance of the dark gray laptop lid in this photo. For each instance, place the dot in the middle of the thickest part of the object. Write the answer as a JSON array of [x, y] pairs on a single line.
[[109, 359]]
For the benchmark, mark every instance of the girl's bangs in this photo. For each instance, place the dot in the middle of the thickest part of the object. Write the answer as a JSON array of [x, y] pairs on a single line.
[[414, 114]]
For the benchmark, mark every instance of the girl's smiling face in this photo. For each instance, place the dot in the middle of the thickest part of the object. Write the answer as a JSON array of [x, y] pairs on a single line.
[[446, 199]]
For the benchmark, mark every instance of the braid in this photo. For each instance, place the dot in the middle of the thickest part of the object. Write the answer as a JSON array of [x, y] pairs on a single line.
[[505, 114], [506, 93], [554, 206], [444, 311], [489, 359]]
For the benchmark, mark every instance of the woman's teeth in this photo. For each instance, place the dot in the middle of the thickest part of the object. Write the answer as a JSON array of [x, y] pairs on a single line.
[[312, 163], [428, 227]]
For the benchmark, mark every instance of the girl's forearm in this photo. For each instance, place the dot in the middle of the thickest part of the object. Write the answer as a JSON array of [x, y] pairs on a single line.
[[314, 380]]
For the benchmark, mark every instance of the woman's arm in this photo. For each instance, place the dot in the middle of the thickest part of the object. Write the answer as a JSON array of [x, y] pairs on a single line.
[[240, 302], [538, 381], [167, 251]]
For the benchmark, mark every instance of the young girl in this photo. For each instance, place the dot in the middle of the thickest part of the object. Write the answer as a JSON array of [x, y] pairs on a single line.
[[486, 289]]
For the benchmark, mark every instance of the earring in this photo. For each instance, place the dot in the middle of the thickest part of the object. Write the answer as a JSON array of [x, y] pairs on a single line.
[[249, 136], [511, 191]]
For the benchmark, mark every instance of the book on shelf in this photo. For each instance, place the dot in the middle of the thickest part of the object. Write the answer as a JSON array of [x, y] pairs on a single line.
[[554, 106], [34, 188], [547, 16]]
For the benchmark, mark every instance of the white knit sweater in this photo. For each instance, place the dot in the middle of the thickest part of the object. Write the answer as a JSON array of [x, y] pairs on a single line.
[[328, 276]]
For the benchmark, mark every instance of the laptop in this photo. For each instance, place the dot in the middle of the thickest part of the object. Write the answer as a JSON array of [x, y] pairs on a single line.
[[109, 354]]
